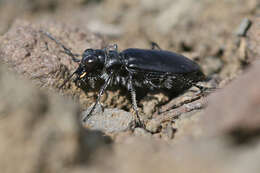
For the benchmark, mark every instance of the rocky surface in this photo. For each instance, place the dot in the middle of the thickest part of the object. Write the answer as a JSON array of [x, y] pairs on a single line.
[[30, 53], [216, 130]]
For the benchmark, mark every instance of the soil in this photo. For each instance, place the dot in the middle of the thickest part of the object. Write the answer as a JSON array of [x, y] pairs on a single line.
[[221, 36]]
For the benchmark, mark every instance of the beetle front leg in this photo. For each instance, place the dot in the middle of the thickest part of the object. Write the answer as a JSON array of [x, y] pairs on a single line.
[[101, 91], [133, 96]]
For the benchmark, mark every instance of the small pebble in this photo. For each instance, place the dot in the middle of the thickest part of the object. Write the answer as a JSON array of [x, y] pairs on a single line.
[[109, 120]]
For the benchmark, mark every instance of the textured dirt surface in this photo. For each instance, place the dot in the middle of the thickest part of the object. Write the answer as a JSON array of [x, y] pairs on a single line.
[[216, 130], [30, 53]]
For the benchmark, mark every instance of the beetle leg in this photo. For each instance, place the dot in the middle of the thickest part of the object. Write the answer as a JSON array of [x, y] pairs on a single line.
[[205, 90], [133, 96], [66, 50], [155, 45], [66, 80], [101, 91]]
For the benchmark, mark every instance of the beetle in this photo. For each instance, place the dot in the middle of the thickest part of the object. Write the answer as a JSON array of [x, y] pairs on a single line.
[[152, 69]]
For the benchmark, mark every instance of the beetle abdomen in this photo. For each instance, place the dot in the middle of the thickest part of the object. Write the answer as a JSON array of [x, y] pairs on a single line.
[[158, 61]]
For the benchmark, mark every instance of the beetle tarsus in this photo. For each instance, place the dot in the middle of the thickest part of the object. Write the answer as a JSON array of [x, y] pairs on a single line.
[[133, 96]]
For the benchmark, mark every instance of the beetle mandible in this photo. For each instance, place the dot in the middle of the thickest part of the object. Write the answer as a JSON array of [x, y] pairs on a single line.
[[153, 69]]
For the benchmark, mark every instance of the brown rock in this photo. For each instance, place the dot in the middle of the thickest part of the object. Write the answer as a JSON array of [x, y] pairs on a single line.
[[30, 53]]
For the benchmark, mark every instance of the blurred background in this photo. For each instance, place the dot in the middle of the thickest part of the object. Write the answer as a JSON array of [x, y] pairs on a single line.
[[41, 132]]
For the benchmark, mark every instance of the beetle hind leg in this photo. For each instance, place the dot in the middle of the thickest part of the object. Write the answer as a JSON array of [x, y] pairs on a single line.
[[134, 103]]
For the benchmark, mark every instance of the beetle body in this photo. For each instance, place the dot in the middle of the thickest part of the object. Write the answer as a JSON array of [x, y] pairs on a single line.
[[138, 68], [148, 69]]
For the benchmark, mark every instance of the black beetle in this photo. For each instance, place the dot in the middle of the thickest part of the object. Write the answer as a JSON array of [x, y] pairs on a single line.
[[152, 69]]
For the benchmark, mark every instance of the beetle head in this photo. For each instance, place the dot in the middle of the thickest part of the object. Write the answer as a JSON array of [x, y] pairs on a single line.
[[92, 62]]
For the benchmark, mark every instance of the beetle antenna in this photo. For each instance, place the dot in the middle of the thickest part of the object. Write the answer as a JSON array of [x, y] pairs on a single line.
[[67, 79], [66, 50]]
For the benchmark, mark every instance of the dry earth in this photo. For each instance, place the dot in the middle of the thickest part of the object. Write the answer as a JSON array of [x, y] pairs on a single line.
[[41, 128]]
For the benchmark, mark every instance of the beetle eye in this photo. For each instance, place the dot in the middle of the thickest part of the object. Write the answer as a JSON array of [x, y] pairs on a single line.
[[90, 61]]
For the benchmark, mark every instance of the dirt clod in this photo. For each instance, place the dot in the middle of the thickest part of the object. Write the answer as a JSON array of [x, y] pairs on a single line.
[[216, 130]]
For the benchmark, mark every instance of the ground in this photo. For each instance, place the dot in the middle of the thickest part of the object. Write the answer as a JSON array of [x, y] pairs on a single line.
[[213, 131]]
